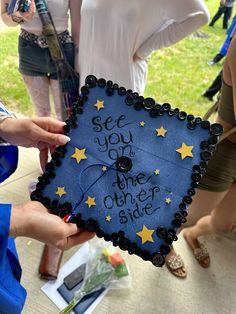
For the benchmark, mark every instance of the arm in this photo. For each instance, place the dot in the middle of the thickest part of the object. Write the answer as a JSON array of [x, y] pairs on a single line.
[[187, 17], [26, 16], [229, 70], [75, 6], [32, 220]]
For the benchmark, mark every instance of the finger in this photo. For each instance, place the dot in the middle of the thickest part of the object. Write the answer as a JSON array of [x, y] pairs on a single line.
[[78, 239], [43, 158], [49, 124], [50, 138]]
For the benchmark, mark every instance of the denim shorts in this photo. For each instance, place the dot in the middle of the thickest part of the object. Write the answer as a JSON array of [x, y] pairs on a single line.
[[37, 61]]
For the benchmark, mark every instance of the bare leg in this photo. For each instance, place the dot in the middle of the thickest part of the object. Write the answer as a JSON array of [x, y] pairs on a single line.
[[203, 203], [55, 88], [38, 88]]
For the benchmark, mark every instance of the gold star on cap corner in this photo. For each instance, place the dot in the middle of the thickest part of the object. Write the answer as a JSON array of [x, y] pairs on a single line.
[[90, 201], [104, 168], [60, 191], [157, 172], [99, 104], [168, 200], [142, 123], [79, 154], [161, 131], [146, 234], [185, 151], [108, 218]]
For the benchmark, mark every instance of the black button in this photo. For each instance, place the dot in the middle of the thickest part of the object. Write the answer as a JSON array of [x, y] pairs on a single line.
[[145, 255], [182, 206], [187, 200], [205, 155], [183, 220], [203, 165], [84, 90], [165, 249], [109, 83], [138, 106], [158, 260], [121, 233], [67, 205], [176, 223], [177, 215], [166, 106], [129, 100], [191, 125], [154, 112], [91, 80], [135, 95], [205, 124], [176, 110], [172, 232], [216, 129], [49, 166], [100, 233], [123, 244], [182, 115], [149, 103], [57, 163], [36, 196], [213, 140], [191, 192], [190, 117], [168, 240], [194, 185], [79, 110], [61, 149], [101, 82], [196, 168], [80, 223], [161, 232], [66, 128], [114, 236], [196, 176], [132, 248], [51, 174], [109, 91], [92, 225], [123, 164], [121, 91], [107, 237], [204, 145], [45, 201], [198, 120], [115, 86], [171, 112]]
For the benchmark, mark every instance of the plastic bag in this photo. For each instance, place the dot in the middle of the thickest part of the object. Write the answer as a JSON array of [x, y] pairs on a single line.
[[105, 268]]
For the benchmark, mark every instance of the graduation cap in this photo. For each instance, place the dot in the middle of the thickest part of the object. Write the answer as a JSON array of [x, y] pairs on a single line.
[[130, 169]]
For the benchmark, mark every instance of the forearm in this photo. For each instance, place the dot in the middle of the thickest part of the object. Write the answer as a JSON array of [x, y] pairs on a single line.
[[75, 6], [184, 23]]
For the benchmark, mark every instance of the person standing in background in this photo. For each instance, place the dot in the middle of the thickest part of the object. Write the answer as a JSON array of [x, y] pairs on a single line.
[[226, 8], [35, 63], [117, 37]]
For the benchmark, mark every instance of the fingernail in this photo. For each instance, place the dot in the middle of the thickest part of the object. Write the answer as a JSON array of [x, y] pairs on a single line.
[[64, 139]]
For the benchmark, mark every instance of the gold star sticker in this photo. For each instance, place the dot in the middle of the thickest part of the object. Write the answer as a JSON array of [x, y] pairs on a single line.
[[99, 104], [90, 201], [108, 218], [60, 191], [185, 151], [161, 131], [157, 171], [79, 154], [146, 234], [168, 200], [141, 123], [104, 168]]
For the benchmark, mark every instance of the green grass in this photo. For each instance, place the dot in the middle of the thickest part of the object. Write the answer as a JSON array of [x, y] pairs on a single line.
[[177, 75]]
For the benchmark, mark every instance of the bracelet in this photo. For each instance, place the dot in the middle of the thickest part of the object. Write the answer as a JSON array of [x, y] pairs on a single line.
[[17, 19]]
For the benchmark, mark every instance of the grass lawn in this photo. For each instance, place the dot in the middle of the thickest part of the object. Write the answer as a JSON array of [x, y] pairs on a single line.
[[177, 75]]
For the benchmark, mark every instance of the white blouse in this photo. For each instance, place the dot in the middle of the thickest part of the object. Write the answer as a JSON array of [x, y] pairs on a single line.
[[59, 12], [112, 31]]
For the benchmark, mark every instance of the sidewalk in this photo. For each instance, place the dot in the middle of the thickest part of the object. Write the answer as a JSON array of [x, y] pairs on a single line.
[[154, 291]]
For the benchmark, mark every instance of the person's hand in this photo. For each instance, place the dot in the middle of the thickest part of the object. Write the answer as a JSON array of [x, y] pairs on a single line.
[[33, 220], [42, 133], [28, 16]]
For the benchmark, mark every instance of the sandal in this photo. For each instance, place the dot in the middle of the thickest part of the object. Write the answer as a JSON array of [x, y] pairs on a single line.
[[202, 256], [175, 264]]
